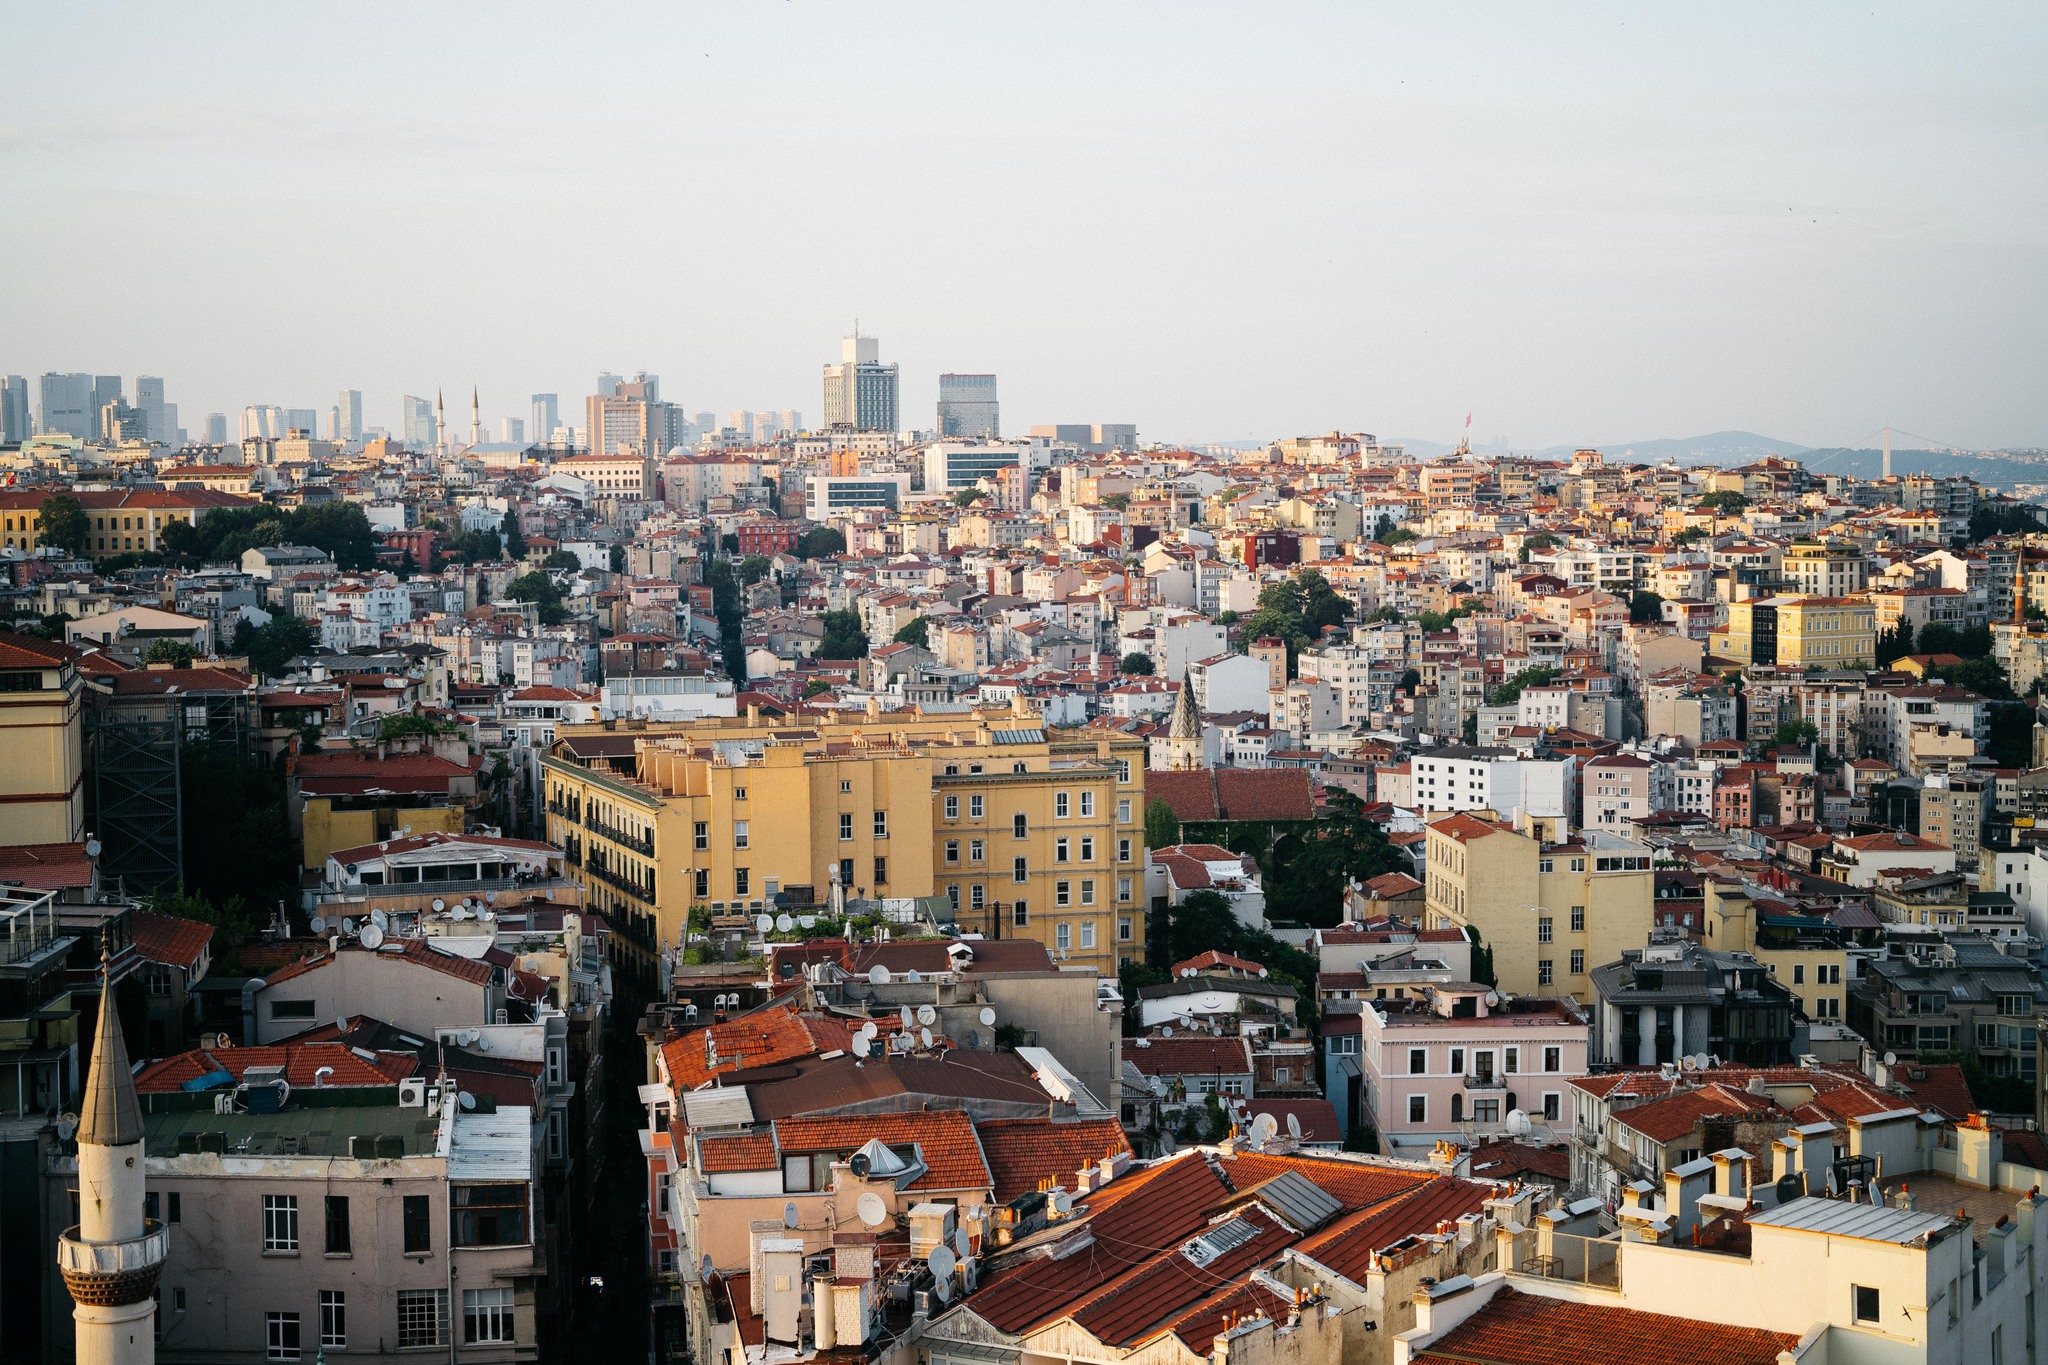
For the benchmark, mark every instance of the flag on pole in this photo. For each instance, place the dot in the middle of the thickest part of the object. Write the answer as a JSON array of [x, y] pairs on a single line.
[[1468, 421]]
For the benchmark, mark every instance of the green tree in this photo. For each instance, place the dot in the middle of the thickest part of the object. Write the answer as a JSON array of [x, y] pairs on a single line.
[[1399, 535], [1387, 613], [1645, 607], [822, 543], [513, 535], [966, 497], [272, 646], [538, 588], [340, 528], [1510, 692], [1689, 535], [64, 523], [814, 687], [753, 569], [917, 631], [1984, 676], [176, 653], [1117, 502], [1727, 502], [1796, 734], [1895, 643], [1343, 846], [1162, 827], [406, 726], [1294, 610], [1138, 663], [618, 558], [845, 636], [563, 560]]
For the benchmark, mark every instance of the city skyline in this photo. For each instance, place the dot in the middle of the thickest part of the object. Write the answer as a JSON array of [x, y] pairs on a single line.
[[1809, 224]]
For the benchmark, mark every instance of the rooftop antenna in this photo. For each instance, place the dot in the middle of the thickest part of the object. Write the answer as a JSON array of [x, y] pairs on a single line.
[[1887, 452]]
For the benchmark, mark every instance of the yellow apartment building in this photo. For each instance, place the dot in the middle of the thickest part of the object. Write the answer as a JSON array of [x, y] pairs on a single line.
[[1549, 907], [1806, 956], [121, 521], [1805, 632], [1029, 833], [42, 749]]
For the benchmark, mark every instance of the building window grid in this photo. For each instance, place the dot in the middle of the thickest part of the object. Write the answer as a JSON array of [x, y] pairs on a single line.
[[422, 1317], [280, 1336], [281, 1222], [333, 1318]]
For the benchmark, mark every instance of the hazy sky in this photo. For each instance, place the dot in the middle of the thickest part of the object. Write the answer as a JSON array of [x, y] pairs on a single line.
[[1579, 222]]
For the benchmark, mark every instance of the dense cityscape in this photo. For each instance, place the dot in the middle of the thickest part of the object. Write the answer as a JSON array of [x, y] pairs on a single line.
[[744, 891]]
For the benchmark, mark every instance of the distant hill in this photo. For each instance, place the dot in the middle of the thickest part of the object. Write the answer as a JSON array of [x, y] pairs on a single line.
[[1716, 447]]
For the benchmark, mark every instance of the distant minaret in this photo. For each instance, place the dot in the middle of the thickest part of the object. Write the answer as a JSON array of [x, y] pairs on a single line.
[[1184, 738], [111, 1260], [476, 421], [440, 422]]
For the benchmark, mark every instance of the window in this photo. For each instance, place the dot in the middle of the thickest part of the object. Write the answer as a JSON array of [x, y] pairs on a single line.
[[1062, 893], [739, 834], [1543, 929], [742, 880], [291, 1009], [1545, 971], [557, 1066], [1457, 1061], [422, 1317], [419, 1234], [487, 1315], [845, 826], [1511, 1060], [703, 834], [1059, 805], [1088, 848], [1019, 826], [1551, 1106], [1867, 1308], [1798, 975], [952, 850], [1020, 914], [1087, 803], [701, 877], [976, 807], [1123, 888], [1018, 870], [333, 1318], [1578, 962], [1418, 1108], [178, 1299], [1060, 850], [1542, 865], [1418, 1061], [1087, 890], [952, 808], [1578, 919], [1065, 936], [881, 824], [976, 896], [845, 785], [881, 872], [280, 1336], [739, 793], [489, 1215], [977, 850], [1123, 929], [1123, 850], [1553, 1059], [1088, 934], [280, 1222], [1123, 811], [337, 1225]]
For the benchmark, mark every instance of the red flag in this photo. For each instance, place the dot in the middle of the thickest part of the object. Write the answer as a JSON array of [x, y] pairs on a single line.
[[1468, 421]]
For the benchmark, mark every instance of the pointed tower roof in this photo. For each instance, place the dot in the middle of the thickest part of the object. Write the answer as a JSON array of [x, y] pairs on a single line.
[[1187, 722], [111, 1115]]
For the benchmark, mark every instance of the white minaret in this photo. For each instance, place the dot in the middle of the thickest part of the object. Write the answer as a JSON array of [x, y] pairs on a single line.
[[111, 1260]]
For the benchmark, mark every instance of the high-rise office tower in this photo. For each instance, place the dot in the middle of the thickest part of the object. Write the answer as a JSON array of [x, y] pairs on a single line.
[[790, 420], [967, 405], [422, 432], [216, 428], [545, 417], [860, 391], [111, 1258], [512, 431], [302, 419], [106, 388], [15, 424], [120, 424], [633, 415], [350, 406], [742, 422], [66, 405], [262, 421], [608, 384], [159, 419]]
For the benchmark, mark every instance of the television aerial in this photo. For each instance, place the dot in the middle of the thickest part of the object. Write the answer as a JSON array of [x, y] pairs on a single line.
[[380, 919], [348, 926], [962, 1246], [914, 977], [465, 1099], [439, 905]]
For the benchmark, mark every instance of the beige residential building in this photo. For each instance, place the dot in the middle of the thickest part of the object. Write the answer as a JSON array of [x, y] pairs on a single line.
[[1548, 907], [42, 772]]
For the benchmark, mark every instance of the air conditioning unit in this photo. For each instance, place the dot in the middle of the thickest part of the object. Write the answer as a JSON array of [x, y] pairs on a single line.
[[412, 1094]]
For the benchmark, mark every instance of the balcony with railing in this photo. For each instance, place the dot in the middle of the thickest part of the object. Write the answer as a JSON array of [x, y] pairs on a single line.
[[28, 925], [1486, 1082]]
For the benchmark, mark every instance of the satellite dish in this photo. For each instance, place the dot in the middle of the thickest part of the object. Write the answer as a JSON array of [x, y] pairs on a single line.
[[967, 1276], [1518, 1121], [924, 1035], [913, 977], [904, 1014], [807, 921], [373, 937], [790, 1216], [940, 1291], [92, 848], [878, 976], [1891, 1059], [1166, 1031], [868, 1030], [1263, 1129], [706, 1270], [319, 925], [961, 1246], [348, 926], [764, 923], [860, 1045], [1294, 1127], [860, 1165], [459, 912], [926, 1014], [380, 919], [465, 1099], [987, 1017], [783, 924], [942, 1262], [439, 904], [872, 1210]]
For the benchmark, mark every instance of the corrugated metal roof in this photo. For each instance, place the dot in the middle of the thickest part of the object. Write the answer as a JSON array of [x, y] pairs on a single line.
[[1019, 736], [1840, 1218], [492, 1146], [725, 1107]]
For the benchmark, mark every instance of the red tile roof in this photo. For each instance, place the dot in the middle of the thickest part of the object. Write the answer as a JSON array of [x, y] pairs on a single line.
[[32, 651], [301, 1063], [1348, 1245], [739, 1152], [1023, 1152], [1515, 1328], [1189, 1056], [1235, 793], [47, 867], [156, 682], [410, 950], [766, 1037], [167, 939], [944, 1137]]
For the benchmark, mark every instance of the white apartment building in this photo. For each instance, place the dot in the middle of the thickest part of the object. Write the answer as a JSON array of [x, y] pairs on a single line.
[[1456, 777]]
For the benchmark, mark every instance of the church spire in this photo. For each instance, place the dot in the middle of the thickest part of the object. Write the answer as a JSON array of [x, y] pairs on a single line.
[[1184, 735]]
